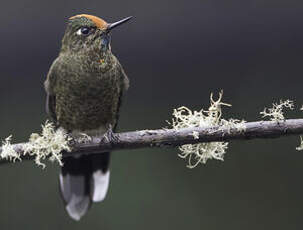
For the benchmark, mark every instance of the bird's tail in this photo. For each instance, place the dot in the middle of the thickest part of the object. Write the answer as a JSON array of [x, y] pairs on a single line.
[[84, 180]]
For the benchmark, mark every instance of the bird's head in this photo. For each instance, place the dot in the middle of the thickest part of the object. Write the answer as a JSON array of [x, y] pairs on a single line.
[[85, 33]]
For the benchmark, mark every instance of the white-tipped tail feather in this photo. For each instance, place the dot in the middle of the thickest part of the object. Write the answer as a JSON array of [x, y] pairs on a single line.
[[77, 202], [84, 180], [100, 183]]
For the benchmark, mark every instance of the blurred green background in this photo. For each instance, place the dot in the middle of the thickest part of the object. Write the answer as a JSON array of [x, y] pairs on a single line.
[[175, 53]]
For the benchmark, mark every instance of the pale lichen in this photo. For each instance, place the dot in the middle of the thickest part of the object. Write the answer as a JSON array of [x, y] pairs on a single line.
[[8, 152], [49, 144], [276, 113], [195, 135], [233, 124], [201, 152]]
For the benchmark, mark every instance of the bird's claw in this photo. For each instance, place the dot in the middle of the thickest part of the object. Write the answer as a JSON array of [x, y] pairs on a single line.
[[110, 136]]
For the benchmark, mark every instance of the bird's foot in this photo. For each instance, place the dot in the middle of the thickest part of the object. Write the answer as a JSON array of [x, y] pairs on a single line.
[[84, 138], [110, 136]]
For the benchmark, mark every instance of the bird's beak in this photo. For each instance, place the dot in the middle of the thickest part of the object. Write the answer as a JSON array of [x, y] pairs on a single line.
[[115, 24]]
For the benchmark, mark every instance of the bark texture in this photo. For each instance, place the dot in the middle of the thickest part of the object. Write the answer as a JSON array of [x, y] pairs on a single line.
[[172, 137]]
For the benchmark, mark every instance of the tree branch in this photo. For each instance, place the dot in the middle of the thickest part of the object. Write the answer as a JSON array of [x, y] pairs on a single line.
[[172, 137]]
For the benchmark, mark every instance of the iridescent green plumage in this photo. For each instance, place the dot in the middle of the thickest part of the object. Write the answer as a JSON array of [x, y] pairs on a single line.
[[84, 86], [86, 80]]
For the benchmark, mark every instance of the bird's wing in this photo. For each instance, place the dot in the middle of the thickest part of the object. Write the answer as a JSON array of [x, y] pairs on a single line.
[[49, 85], [124, 80], [50, 106]]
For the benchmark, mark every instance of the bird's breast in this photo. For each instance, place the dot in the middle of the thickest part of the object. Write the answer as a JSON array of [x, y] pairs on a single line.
[[88, 100]]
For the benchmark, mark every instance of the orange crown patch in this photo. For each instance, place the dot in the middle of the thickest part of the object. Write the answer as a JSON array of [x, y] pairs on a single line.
[[100, 23]]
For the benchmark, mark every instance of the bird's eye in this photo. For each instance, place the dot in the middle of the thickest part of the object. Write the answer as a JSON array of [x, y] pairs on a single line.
[[83, 31]]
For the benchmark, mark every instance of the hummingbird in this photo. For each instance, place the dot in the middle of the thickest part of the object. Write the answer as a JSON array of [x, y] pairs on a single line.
[[84, 89]]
